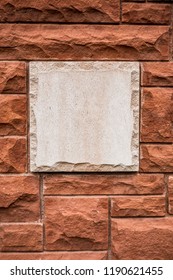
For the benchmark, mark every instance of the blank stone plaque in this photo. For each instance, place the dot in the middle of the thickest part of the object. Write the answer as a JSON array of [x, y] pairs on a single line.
[[84, 116]]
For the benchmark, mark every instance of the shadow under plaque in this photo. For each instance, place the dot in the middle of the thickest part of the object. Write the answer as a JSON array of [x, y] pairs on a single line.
[[84, 116]]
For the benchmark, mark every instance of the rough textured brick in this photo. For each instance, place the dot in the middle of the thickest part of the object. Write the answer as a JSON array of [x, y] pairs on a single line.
[[146, 13], [157, 115], [142, 239], [59, 11], [76, 223], [13, 114], [55, 256], [12, 154], [20, 237], [103, 184], [156, 158], [19, 199], [12, 77], [137, 206], [170, 195], [157, 74], [89, 42]]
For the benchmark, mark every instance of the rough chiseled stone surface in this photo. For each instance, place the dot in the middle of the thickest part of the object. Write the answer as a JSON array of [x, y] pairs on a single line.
[[157, 74], [12, 115], [142, 239], [12, 76], [19, 199], [12, 154], [86, 42], [146, 13], [103, 184], [137, 206], [86, 128], [60, 11], [156, 158], [157, 115], [55, 256], [76, 223], [21, 237], [170, 195]]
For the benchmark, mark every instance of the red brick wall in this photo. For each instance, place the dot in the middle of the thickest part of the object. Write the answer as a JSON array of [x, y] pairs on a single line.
[[87, 216]]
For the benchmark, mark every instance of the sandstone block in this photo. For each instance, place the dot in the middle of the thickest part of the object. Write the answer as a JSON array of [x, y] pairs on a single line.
[[146, 13], [55, 256], [142, 239], [157, 115], [20, 237], [157, 74], [12, 77], [137, 206], [13, 115], [156, 158], [83, 42], [77, 224], [12, 154], [19, 199], [83, 127], [103, 184], [71, 11]]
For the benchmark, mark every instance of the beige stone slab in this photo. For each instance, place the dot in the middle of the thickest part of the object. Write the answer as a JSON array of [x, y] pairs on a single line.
[[84, 116]]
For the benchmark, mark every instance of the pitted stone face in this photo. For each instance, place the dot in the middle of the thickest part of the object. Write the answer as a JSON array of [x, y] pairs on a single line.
[[84, 116]]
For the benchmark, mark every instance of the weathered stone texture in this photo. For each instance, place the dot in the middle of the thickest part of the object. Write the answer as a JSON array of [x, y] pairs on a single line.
[[19, 199], [86, 42], [12, 154], [12, 115], [146, 13], [76, 223], [60, 11], [79, 122], [170, 195], [103, 184], [156, 158], [157, 74], [12, 76], [142, 239], [20, 237], [55, 256], [157, 115], [137, 206]]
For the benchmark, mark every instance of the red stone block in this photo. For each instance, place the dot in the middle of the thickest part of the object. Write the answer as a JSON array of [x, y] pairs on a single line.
[[142, 239], [12, 115], [157, 115], [83, 42], [19, 199], [12, 154], [157, 74], [12, 76], [57, 184], [156, 158], [71, 11], [21, 237], [77, 224], [55, 256], [126, 206], [146, 13]]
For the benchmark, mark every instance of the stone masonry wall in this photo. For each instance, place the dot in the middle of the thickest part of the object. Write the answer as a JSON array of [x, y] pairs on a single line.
[[87, 215]]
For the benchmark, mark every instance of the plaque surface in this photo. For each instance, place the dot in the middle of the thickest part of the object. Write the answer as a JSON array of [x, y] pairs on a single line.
[[84, 116]]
